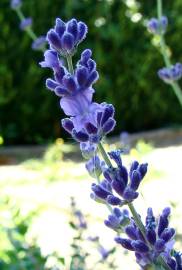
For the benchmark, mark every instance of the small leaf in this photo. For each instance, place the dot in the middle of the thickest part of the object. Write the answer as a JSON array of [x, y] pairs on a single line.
[[72, 225], [62, 260]]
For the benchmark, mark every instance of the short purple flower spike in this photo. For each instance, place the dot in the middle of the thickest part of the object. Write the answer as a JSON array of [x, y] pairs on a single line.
[[15, 4], [27, 22], [65, 37], [157, 26], [170, 74], [39, 43]]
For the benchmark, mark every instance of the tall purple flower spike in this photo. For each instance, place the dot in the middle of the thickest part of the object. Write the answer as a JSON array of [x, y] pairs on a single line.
[[65, 37], [158, 239], [88, 122]]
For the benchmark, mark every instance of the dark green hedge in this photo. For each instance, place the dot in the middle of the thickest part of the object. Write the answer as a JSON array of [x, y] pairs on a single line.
[[126, 60]]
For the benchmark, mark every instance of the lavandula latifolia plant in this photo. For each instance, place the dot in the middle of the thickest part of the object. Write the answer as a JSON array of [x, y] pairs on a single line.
[[26, 25], [88, 123], [171, 73]]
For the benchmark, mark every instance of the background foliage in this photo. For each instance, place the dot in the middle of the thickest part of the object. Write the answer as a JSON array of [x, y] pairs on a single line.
[[127, 63]]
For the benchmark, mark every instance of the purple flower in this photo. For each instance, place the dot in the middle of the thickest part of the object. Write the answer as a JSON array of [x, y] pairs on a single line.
[[81, 220], [75, 90], [175, 261], [157, 26], [65, 37], [92, 122], [170, 74], [39, 43], [153, 25], [16, 4], [88, 149], [79, 105], [102, 190], [116, 156], [89, 122], [104, 252], [122, 190], [100, 123], [51, 60], [25, 23], [95, 166], [125, 142], [117, 220], [158, 238]]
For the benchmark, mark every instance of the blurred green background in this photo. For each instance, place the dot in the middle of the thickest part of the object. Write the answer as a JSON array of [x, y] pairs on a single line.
[[127, 64]]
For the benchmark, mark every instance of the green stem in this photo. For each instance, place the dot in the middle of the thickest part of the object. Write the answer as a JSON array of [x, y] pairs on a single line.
[[163, 263], [109, 208], [159, 8], [175, 86], [108, 205], [70, 64], [20, 14], [31, 33], [177, 91], [104, 155], [137, 219], [29, 30], [135, 215], [164, 51]]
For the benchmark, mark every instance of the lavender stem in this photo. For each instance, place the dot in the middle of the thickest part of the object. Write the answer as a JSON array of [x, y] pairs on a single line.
[[176, 88], [29, 30], [70, 64]]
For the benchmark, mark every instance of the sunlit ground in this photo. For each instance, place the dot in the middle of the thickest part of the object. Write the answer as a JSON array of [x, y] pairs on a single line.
[[47, 186]]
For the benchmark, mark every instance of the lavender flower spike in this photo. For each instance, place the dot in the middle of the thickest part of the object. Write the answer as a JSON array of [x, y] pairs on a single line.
[[15, 4], [65, 37], [157, 26], [39, 43], [170, 74], [158, 239], [88, 123], [27, 22]]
